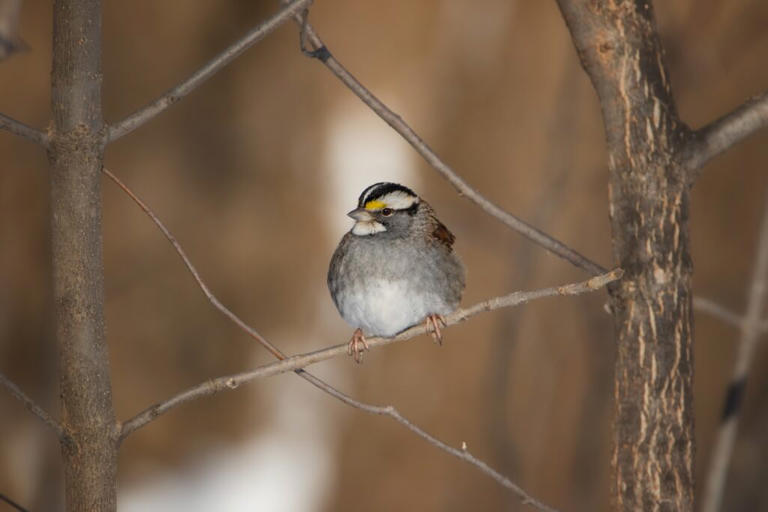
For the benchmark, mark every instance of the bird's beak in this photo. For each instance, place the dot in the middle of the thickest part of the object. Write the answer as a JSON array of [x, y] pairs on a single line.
[[361, 214]]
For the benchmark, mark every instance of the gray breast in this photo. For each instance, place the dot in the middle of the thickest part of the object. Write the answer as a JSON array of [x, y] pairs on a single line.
[[385, 288]]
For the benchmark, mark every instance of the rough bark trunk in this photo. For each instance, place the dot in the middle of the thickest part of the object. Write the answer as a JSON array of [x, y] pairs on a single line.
[[653, 454], [75, 156]]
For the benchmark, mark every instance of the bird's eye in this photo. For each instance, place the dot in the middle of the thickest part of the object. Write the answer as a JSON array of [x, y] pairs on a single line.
[[387, 212]]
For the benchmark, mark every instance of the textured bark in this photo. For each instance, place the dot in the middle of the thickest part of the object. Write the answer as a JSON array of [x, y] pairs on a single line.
[[75, 155], [653, 453]]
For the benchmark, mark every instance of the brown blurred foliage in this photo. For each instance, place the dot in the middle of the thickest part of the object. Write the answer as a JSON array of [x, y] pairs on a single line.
[[240, 174]]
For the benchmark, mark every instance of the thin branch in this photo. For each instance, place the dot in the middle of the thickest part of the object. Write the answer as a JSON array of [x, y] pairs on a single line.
[[718, 136], [544, 240], [12, 503], [232, 382], [462, 453], [301, 361], [722, 313], [140, 117], [32, 406], [296, 364], [715, 310], [192, 270], [750, 333], [23, 130], [321, 52], [707, 143]]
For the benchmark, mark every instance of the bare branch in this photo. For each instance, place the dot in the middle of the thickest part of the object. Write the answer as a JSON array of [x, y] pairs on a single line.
[[558, 248], [718, 136], [724, 314], [300, 361], [750, 333], [462, 453], [544, 240], [32, 406], [140, 117], [296, 363], [12, 503], [192, 270], [717, 311], [23, 130]]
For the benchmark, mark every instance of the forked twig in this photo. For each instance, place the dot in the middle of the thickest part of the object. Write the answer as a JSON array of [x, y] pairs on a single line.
[[301, 361], [143, 115], [706, 143], [297, 363], [321, 52]]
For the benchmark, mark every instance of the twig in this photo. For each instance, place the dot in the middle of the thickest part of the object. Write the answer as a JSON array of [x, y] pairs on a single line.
[[140, 117], [23, 130], [717, 311], [716, 137], [322, 53], [192, 270], [750, 333], [462, 453], [12, 503], [707, 143], [722, 313], [32, 406], [544, 240], [301, 361], [296, 364]]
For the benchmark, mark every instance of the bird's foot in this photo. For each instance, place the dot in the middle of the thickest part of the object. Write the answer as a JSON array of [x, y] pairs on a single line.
[[357, 345], [433, 322]]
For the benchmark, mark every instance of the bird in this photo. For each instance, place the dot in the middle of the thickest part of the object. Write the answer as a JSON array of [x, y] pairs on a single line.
[[395, 267]]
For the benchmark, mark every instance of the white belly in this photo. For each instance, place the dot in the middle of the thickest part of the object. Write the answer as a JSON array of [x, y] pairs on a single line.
[[386, 307]]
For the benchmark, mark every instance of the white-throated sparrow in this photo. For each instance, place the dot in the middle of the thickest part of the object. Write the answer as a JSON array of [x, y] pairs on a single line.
[[395, 268]]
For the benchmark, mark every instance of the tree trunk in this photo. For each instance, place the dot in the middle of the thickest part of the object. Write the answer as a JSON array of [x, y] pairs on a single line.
[[75, 155], [653, 453]]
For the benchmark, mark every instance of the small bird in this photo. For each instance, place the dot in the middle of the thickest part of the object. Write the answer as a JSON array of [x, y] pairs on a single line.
[[395, 268]]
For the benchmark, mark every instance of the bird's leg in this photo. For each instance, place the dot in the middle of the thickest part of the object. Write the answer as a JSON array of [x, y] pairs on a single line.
[[357, 345], [433, 322]]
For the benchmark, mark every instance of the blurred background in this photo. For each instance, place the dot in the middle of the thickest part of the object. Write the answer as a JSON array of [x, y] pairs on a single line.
[[254, 172]]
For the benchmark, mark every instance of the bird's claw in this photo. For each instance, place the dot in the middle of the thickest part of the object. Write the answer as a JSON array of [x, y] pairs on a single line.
[[357, 345], [433, 327]]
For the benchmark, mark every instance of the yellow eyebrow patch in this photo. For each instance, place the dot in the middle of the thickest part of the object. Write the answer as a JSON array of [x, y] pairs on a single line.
[[375, 205]]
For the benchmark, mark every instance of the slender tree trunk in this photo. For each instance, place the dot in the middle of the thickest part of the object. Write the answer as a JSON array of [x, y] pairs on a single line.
[[75, 155], [653, 454]]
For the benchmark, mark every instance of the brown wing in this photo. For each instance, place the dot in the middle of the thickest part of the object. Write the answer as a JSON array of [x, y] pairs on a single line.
[[442, 234]]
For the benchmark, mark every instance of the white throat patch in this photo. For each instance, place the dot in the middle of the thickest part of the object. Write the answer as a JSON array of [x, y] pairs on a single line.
[[367, 227]]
